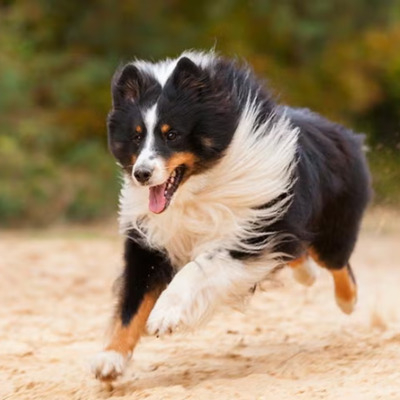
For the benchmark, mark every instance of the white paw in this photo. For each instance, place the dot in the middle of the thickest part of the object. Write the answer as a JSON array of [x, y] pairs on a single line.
[[347, 306], [108, 365], [167, 315], [306, 273], [190, 299]]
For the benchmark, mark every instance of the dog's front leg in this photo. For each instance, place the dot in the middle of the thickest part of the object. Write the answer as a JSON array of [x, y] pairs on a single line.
[[146, 273], [198, 288]]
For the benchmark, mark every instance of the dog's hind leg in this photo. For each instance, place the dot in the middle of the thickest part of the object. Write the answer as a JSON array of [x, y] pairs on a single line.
[[345, 288], [335, 239], [146, 273], [344, 282], [304, 269]]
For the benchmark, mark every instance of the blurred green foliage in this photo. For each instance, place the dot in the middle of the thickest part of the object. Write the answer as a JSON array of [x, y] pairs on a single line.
[[338, 57]]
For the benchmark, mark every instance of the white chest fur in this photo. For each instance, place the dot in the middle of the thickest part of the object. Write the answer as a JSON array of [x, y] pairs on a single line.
[[194, 223]]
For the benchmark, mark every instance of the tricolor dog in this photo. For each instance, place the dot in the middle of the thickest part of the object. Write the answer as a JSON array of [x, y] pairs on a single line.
[[221, 187]]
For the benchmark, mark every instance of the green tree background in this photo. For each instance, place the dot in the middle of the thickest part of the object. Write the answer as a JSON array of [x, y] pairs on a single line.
[[338, 57]]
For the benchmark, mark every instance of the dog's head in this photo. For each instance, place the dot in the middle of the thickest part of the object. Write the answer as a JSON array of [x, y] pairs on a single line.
[[162, 135]]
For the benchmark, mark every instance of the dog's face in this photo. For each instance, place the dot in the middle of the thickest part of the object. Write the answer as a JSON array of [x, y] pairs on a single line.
[[163, 135]]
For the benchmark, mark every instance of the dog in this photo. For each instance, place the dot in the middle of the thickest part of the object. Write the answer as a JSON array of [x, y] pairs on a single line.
[[221, 187]]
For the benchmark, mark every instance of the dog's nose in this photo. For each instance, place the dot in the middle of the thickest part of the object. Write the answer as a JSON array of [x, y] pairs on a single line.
[[143, 174]]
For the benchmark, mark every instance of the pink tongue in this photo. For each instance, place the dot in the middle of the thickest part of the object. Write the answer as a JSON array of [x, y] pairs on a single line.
[[157, 200]]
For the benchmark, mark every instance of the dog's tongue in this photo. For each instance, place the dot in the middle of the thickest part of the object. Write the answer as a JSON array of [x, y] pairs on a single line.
[[157, 200]]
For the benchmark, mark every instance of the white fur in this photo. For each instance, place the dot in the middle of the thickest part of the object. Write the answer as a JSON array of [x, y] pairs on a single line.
[[346, 306], [217, 210], [108, 365], [150, 120], [211, 280], [148, 156], [306, 273], [162, 70]]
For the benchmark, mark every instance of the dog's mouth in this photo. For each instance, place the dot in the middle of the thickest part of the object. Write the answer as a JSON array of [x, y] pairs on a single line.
[[160, 196]]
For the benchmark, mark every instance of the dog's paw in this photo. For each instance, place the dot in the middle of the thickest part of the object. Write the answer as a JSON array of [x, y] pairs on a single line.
[[108, 365], [188, 302], [346, 305], [306, 273], [167, 315]]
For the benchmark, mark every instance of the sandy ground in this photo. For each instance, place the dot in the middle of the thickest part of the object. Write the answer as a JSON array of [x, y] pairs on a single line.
[[292, 342]]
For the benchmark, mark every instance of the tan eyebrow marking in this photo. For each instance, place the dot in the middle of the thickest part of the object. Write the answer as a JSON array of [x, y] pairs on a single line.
[[138, 129], [165, 128]]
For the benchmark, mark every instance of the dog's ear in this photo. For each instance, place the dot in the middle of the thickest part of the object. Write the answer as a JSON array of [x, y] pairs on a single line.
[[187, 75], [126, 85]]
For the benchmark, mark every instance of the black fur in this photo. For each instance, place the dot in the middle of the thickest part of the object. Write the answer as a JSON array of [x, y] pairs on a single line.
[[200, 108], [145, 270], [131, 91], [332, 188]]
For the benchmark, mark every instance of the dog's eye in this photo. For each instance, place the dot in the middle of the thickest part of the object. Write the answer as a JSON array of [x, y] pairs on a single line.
[[171, 135], [138, 137]]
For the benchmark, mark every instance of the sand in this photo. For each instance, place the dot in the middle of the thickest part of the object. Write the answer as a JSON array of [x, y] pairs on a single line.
[[291, 341]]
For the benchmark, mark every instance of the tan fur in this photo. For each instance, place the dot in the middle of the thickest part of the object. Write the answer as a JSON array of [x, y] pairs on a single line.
[[298, 261], [345, 287], [124, 338], [165, 128], [181, 158]]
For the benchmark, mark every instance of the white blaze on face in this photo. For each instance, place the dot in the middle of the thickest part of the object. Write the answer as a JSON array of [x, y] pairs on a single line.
[[148, 157]]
